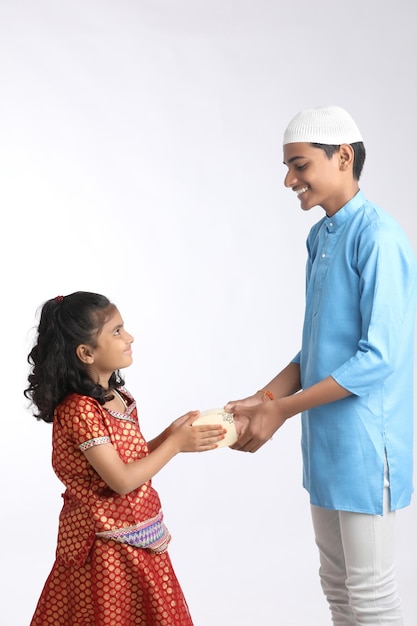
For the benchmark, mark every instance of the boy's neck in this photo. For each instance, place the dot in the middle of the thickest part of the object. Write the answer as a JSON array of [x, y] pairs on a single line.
[[341, 200]]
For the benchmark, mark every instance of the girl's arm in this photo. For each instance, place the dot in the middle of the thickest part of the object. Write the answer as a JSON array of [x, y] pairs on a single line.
[[156, 441], [124, 477]]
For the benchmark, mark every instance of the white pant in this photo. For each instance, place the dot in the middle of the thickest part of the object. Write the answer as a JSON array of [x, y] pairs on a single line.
[[357, 566]]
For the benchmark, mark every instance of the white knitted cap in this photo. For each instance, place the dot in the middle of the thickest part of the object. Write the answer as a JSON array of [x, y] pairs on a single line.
[[328, 125]]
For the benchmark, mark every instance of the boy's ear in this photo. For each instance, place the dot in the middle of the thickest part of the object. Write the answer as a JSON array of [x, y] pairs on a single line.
[[85, 354], [346, 156]]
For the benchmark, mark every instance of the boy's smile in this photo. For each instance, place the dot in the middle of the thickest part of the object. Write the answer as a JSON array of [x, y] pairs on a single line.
[[317, 179], [300, 191]]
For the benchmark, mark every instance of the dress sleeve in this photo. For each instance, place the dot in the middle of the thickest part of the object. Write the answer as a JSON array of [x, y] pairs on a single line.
[[84, 419]]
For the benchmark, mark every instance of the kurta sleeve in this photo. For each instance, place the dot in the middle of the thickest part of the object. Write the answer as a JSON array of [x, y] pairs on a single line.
[[387, 278]]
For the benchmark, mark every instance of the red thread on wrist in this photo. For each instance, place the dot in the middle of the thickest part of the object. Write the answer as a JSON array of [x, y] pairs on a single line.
[[267, 395]]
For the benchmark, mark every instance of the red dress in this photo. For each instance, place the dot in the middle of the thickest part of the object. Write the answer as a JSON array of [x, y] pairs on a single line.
[[100, 576]]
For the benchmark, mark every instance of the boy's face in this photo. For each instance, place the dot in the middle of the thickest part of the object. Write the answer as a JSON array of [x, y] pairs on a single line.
[[318, 180]]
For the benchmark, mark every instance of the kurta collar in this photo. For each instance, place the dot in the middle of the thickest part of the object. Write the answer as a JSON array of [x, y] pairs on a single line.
[[345, 213]]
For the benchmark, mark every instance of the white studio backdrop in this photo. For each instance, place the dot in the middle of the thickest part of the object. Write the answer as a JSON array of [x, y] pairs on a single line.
[[140, 157]]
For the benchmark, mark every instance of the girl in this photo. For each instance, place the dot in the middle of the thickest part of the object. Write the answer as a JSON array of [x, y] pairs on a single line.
[[112, 567]]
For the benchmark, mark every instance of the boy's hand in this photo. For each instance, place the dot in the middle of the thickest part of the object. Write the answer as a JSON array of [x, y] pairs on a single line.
[[257, 424], [257, 398]]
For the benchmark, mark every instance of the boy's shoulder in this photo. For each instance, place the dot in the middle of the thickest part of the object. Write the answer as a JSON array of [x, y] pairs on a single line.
[[361, 220], [375, 226], [373, 215], [358, 211]]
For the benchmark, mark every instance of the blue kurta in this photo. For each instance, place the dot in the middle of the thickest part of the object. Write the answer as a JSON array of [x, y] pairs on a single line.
[[361, 288]]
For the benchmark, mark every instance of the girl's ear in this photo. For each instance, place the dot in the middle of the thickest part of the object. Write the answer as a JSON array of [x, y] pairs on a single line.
[[84, 353], [346, 156]]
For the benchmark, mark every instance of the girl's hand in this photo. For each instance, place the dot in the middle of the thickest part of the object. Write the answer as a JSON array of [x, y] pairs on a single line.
[[181, 420], [189, 438]]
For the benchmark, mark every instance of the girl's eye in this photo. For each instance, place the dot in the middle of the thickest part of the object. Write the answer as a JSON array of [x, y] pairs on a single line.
[[301, 167]]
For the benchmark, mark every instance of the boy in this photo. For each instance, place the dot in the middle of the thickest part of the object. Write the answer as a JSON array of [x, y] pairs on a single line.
[[352, 380]]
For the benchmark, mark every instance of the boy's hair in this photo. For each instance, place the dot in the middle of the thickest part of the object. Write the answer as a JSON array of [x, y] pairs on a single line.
[[65, 323], [359, 153]]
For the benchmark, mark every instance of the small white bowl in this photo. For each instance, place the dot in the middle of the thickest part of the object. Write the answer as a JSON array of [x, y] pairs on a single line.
[[219, 416]]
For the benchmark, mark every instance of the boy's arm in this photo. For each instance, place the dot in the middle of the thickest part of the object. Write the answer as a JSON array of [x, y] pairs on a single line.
[[285, 383], [261, 421]]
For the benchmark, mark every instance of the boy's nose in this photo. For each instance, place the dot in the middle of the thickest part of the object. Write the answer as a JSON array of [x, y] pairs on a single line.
[[290, 179]]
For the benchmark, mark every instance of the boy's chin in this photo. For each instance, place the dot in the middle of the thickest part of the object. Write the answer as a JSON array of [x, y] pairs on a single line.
[[306, 206]]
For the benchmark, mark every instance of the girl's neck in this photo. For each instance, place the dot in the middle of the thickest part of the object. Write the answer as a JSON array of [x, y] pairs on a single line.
[[117, 403]]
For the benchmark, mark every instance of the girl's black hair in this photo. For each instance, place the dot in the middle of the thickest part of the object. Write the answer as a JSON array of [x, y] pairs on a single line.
[[358, 151], [56, 371]]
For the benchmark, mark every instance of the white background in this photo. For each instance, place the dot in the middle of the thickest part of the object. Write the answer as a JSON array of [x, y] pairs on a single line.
[[140, 157]]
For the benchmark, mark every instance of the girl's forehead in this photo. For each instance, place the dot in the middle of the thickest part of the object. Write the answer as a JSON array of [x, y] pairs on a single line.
[[113, 316], [110, 319]]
